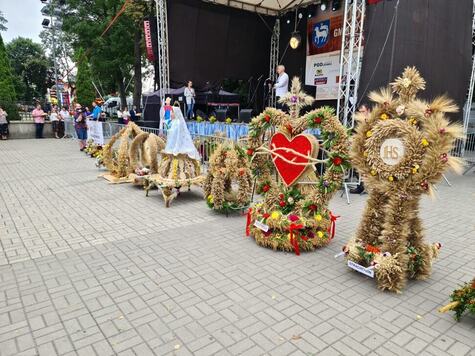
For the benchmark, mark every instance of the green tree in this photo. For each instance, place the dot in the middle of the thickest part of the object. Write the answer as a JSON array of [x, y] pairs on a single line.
[[7, 89], [30, 66], [64, 50], [111, 55], [3, 22], [137, 10], [84, 89]]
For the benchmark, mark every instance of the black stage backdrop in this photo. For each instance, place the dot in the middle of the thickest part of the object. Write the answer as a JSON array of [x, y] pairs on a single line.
[[433, 35], [209, 43]]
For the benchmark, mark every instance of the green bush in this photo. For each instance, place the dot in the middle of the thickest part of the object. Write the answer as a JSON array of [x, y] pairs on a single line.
[[7, 90]]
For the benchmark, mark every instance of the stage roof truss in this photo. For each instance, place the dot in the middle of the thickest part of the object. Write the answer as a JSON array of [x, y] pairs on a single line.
[[468, 104], [265, 7], [351, 57]]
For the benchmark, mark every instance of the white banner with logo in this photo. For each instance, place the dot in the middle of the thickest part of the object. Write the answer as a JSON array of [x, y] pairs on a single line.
[[95, 133], [323, 71]]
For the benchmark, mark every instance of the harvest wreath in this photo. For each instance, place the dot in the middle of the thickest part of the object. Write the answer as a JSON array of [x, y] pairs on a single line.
[[463, 300], [228, 166], [401, 148], [294, 214]]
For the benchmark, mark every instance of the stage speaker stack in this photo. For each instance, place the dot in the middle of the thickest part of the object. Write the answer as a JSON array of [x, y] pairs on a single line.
[[221, 114], [245, 115]]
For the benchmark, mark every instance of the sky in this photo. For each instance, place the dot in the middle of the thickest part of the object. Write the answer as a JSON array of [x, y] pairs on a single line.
[[24, 19]]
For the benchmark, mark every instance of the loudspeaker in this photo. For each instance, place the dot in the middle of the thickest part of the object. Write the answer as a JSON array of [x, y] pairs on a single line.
[[245, 115], [221, 114]]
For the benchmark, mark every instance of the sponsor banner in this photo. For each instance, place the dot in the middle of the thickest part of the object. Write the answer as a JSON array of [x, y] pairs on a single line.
[[324, 34], [94, 132], [148, 41], [323, 71]]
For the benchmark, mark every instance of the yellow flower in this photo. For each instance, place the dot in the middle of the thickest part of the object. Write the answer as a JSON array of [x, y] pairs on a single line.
[[413, 121], [275, 215], [318, 217], [319, 234], [415, 169], [369, 133], [390, 178], [384, 116], [210, 199], [373, 172], [365, 153], [424, 142]]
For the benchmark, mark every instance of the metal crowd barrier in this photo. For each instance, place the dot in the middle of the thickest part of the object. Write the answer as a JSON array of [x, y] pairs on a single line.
[[465, 149], [205, 144]]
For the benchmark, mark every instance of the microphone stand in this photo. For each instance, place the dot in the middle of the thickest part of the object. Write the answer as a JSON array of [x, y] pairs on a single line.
[[253, 98], [249, 85]]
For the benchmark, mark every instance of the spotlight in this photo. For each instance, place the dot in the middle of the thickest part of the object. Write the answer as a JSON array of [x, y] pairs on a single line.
[[300, 16], [323, 6], [45, 23], [312, 10], [336, 5], [288, 21], [295, 40]]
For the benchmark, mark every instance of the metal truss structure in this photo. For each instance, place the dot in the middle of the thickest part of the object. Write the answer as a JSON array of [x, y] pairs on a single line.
[[351, 58], [163, 76], [468, 104], [274, 59]]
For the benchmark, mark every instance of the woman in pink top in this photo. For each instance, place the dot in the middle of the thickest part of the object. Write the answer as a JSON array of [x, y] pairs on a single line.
[[39, 118]]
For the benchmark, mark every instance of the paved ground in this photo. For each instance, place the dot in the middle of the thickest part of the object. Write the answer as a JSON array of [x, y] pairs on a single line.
[[88, 268]]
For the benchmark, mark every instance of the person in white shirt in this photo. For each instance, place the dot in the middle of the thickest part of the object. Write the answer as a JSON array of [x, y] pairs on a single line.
[[53, 117], [63, 116], [190, 100], [281, 86]]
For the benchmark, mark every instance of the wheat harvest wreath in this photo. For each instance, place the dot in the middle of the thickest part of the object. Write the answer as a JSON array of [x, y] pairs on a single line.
[[401, 147], [294, 214]]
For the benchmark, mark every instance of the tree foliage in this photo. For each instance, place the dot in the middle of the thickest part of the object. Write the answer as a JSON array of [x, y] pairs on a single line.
[[113, 57], [85, 91], [31, 68], [7, 90], [3, 22]]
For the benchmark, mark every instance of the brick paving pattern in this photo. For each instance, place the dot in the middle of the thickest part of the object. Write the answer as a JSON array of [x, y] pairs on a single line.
[[89, 268]]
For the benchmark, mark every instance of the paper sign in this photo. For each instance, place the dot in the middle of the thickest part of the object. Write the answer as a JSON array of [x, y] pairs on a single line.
[[94, 132], [261, 226], [359, 268]]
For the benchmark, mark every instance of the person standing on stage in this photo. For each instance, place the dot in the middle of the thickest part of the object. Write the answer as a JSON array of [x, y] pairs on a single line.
[[281, 86], [190, 100]]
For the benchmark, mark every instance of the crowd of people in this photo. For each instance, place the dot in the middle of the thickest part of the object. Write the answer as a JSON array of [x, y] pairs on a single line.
[[58, 116]]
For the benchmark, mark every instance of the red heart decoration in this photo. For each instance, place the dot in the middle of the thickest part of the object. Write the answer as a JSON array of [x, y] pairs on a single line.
[[302, 144]]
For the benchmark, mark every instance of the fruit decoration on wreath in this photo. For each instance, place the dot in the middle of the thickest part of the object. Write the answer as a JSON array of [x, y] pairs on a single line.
[[294, 214], [401, 148], [228, 169]]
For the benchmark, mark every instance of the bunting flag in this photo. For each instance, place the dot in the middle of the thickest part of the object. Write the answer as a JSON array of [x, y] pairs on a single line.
[[373, 2]]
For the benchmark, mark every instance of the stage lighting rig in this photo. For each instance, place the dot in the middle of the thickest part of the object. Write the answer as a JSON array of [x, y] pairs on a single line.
[[336, 5], [295, 40], [312, 10]]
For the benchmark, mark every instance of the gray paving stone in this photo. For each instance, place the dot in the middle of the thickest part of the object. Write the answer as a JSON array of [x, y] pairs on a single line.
[[131, 277]]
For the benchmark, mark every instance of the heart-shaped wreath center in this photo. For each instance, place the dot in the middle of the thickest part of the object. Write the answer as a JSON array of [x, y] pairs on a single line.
[[293, 156]]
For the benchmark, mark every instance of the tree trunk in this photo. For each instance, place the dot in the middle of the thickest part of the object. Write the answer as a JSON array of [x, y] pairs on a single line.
[[137, 66], [122, 94]]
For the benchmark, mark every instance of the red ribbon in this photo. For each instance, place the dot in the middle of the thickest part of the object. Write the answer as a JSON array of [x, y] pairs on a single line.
[[332, 228], [293, 239], [248, 222]]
